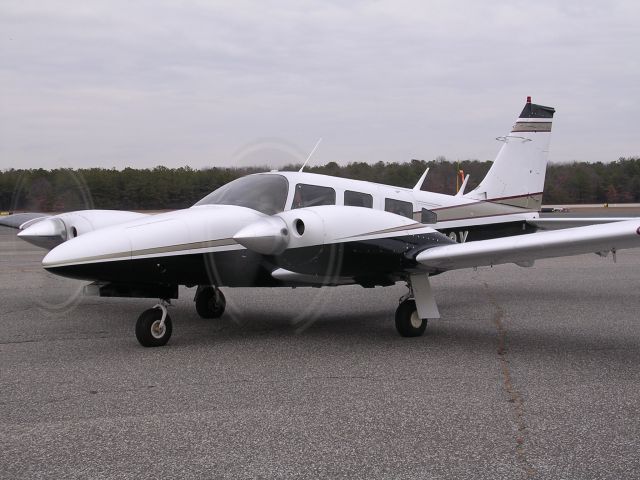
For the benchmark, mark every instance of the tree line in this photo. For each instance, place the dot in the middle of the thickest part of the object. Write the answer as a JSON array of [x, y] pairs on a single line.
[[171, 188]]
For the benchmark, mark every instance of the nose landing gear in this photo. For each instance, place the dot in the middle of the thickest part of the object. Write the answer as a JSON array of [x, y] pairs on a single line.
[[153, 328]]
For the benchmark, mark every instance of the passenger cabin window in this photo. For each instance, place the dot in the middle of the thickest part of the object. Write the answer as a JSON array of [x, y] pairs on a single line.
[[428, 217], [312, 196], [398, 207], [357, 199]]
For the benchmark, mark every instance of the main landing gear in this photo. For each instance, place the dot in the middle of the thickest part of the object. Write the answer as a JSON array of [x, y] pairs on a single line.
[[416, 307], [408, 322], [210, 301]]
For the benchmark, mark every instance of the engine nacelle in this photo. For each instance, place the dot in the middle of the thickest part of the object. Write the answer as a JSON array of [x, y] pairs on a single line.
[[49, 232], [315, 226]]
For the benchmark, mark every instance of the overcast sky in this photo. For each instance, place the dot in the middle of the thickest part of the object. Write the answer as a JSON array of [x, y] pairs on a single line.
[[202, 83]]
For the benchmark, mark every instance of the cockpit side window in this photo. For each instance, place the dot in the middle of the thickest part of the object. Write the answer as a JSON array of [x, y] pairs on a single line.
[[266, 193], [312, 196], [398, 207], [357, 199]]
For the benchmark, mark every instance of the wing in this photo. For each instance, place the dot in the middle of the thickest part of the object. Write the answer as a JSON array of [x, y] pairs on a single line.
[[556, 223], [17, 220], [525, 249]]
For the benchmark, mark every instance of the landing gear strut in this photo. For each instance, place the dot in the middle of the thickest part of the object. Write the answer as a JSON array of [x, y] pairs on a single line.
[[210, 301], [415, 307], [153, 328]]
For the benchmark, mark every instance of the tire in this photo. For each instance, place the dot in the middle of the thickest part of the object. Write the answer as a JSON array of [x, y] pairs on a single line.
[[146, 328], [210, 302], [408, 323]]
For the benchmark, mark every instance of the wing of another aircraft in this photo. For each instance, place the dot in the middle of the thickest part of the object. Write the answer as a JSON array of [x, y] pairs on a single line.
[[524, 249]]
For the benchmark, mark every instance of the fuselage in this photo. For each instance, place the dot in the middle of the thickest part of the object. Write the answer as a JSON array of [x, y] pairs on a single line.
[[462, 217], [196, 246]]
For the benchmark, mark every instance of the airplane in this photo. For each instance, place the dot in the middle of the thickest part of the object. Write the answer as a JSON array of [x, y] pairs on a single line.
[[294, 229]]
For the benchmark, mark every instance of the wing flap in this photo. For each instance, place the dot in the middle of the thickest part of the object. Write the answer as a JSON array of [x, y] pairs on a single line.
[[527, 248]]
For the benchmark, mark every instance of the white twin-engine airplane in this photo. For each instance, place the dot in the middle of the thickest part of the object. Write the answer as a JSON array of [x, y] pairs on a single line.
[[291, 229]]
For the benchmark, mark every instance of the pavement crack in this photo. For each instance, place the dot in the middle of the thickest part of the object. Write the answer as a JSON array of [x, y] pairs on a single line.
[[12, 342], [514, 396]]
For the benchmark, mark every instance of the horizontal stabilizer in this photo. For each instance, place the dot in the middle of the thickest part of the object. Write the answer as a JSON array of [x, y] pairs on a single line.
[[527, 248]]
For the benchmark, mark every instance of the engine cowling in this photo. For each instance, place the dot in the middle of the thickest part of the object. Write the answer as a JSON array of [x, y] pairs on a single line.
[[331, 242], [316, 226], [49, 232]]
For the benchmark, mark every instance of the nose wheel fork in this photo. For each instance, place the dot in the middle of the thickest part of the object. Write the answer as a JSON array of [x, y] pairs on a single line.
[[153, 328]]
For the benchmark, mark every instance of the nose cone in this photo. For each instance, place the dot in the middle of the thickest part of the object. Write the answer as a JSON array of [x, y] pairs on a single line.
[[46, 233], [93, 256], [268, 236]]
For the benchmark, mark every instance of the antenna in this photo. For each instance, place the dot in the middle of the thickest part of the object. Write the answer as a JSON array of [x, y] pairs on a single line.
[[418, 186], [463, 186], [314, 149]]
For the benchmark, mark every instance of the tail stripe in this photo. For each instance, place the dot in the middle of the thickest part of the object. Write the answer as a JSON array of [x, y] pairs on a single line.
[[532, 127]]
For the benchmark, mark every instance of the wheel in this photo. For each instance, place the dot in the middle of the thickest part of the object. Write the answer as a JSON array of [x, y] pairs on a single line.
[[408, 323], [148, 331], [210, 302]]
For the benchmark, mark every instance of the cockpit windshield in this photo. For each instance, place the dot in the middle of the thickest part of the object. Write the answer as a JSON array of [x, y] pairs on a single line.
[[265, 193]]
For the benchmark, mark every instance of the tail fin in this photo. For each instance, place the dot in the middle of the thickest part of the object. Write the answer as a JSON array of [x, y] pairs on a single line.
[[517, 174]]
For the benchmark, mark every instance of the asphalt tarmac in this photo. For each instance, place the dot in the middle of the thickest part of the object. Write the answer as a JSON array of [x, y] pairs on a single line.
[[530, 373]]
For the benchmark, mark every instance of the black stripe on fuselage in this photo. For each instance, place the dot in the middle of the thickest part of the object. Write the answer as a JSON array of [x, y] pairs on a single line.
[[474, 233], [243, 268]]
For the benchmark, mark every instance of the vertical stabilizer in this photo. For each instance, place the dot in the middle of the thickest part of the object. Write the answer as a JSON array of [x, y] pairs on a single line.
[[517, 174]]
